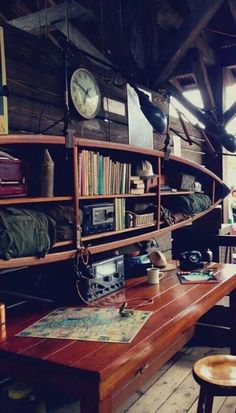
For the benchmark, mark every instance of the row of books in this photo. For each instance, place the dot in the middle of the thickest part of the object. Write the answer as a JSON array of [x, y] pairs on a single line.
[[100, 175]]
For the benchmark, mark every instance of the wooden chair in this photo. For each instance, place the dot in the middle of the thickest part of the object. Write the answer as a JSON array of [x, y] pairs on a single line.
[[216, 375]]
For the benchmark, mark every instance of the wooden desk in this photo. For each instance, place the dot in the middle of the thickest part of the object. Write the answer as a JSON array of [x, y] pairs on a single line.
[[103, 375]]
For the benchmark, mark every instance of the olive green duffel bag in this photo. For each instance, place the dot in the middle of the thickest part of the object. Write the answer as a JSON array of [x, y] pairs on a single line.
[[25, 232]]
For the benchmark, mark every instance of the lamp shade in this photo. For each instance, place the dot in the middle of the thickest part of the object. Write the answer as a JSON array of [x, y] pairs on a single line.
[[154, 115], [228, 141]]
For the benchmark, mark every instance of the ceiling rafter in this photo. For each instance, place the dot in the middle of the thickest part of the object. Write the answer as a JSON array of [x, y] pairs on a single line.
[[230, 113], [232, 7], [202, 80], [80, 41], [167, 17], [33, 22], [190, 29], [56, 16], [207, 51]]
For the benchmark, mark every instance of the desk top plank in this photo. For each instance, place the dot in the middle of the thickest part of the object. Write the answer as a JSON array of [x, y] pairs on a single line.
[[15, 325], [71, 354], [101, 371], [176, 307], [75, 350], [191, 304]]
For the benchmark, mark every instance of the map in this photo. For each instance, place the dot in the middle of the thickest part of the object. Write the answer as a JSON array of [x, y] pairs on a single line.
[[92, 324]]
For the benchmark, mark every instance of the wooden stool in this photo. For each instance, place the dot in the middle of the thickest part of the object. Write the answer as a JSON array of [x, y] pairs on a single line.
[[217, 377]]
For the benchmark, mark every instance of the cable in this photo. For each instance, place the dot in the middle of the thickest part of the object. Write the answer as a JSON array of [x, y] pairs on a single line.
[[66, 118], [146, 300]]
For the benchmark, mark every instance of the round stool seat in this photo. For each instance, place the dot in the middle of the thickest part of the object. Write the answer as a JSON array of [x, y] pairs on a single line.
[[217, 370]]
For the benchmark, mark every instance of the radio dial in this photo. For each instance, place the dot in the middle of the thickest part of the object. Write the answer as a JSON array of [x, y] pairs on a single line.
[[107, 278], [109, 214]]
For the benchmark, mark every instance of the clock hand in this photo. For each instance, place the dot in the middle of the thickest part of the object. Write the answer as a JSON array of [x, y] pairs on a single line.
[[81, 87]]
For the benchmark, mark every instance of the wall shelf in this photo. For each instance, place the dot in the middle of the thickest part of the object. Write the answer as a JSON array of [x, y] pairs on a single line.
[[68, 181]]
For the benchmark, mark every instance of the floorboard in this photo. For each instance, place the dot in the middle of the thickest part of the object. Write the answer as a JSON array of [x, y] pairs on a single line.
[[172, 389]]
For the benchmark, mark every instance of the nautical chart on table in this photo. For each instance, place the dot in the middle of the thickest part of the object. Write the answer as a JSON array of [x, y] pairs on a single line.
[[91, 324]]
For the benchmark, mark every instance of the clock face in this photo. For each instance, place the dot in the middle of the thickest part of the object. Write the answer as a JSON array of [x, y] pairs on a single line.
[[85, 93]]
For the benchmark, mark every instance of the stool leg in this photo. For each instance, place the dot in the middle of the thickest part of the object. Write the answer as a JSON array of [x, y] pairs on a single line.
[[205, 401], [201, 400], [208, 403], [226, 254]]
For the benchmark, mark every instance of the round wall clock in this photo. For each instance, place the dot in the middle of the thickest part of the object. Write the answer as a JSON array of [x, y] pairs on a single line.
[[85, 93]]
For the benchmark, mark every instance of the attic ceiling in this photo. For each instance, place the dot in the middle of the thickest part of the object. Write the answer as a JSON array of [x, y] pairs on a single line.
[[159, 44], [151, 41]]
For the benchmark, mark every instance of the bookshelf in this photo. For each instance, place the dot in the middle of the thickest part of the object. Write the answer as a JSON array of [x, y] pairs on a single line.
[[95, 179]]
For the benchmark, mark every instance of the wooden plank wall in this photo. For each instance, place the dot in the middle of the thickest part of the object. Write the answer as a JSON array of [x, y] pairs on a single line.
[[36, 81], [35, 73]]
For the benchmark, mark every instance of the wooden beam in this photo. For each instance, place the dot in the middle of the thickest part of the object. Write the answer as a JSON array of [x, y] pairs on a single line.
[[207, 52], [80, 41], [202, 80], [190, 29], [194, 110], [230, 113], [167, 17], [35, 21], [216, 79], [212, 127], [232, 7]]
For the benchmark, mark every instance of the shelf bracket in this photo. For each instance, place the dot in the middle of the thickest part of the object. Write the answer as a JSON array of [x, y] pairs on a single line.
[[70, 134]]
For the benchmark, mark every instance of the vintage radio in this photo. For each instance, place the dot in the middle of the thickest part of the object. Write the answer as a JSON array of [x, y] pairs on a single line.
[[98, 218], [12, 177], [105, 277]]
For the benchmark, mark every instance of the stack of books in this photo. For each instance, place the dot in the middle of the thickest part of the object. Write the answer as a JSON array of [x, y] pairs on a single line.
[[100, 175], [137, 185]]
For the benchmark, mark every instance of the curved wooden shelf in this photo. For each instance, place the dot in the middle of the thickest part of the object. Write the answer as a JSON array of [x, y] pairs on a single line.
[[96, 144], [32, 261], [148, 194], [121, 231], [62, 244], [113, 146], [131, 235], [171, 193], [35, 200], [32, 139], [148, 235]]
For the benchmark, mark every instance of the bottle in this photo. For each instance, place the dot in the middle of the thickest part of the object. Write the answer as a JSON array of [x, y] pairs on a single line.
[[209, 255], [47, 176], [2, 314]]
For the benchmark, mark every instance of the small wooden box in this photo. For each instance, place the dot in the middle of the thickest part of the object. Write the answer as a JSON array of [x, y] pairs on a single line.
[[151, 184], [143, 219], [12, 178]]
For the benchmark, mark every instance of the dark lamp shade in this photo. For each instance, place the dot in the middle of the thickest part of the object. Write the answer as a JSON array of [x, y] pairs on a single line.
[[228, 141], [154, 115]]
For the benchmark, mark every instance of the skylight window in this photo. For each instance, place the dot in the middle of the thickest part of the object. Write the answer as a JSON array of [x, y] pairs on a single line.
[[194, 97]]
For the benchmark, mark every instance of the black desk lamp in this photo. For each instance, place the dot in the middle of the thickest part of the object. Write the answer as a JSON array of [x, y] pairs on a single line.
[[228, 141], [153, 114]]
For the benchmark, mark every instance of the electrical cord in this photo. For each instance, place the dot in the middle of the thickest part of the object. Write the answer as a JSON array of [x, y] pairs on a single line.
[[124, 311]]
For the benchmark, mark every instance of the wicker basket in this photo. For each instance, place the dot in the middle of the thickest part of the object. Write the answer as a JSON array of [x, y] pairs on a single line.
[[143, 219]]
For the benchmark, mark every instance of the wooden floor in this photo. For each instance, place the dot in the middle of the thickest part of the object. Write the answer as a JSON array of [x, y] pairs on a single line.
[[172, 390]]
